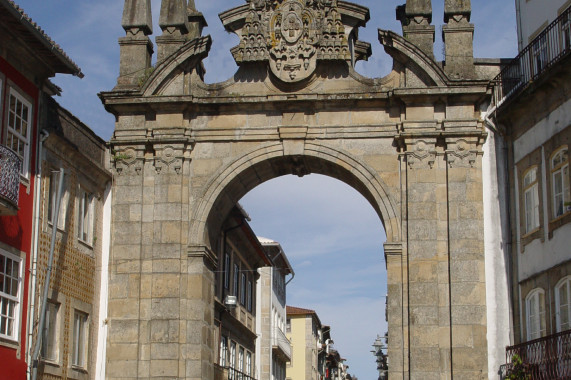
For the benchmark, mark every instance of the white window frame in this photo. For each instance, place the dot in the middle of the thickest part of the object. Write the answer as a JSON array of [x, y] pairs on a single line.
[[560, 171], [531, 199], [52, 195], [535, 314], [10, 313], [85, 211], [50, 337], [25, 155], [563, 303], [80, 339]]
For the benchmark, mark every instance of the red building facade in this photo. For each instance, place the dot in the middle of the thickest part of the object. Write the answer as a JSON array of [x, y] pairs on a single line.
[[28, 58]]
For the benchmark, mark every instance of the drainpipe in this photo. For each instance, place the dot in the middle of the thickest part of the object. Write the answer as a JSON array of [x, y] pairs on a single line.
[[44, 299], [35, 243]]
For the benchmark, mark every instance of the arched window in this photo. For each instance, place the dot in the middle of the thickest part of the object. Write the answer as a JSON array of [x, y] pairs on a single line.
[[531, 200], [560, 181], [563, 302], [535, 314]]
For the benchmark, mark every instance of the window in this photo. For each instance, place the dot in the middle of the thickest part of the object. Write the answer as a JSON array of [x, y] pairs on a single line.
[[249, 363], [563, 304], [19, 128], [232, 361], [85, 217], [241, 360], [243, 288], [566, 31], [539, 51], [52, 198], [223, 351], [50, 335], [235, 279], [531, 199], [227, 271], [79, 348], [249, 296], [535, 314], [10, 281], [288, 325], [560, 182]]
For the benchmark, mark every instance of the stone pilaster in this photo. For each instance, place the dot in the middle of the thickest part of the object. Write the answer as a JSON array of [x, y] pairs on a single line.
[[428, 265], [458, 36], [416, 17], [136, 49], [396, 310], [151, 273], [467, 271], [173, 21]]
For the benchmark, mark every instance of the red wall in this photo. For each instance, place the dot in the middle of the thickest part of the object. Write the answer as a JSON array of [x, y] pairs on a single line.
[[16, 231]]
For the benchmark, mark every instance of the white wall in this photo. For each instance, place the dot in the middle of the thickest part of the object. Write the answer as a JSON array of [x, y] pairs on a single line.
[[533, 14]]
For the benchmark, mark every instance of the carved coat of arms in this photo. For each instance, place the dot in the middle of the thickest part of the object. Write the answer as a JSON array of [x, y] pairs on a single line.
[[292, 35]]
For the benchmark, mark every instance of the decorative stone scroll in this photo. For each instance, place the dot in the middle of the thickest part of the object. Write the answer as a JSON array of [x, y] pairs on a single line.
[[292, 35]]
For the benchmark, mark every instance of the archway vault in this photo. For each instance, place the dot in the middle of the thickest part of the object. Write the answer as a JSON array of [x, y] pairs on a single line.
[[231, 182]]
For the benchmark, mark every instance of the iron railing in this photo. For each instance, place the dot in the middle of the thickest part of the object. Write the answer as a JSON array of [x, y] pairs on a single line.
[[10, 164], [234, 374], [549, 47], [547, 358]]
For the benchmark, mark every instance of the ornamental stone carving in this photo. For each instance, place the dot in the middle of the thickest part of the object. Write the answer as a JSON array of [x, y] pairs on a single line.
[[292, 35]]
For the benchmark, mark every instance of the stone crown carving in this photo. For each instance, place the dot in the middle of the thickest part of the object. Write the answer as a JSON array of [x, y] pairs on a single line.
[[292, 35]]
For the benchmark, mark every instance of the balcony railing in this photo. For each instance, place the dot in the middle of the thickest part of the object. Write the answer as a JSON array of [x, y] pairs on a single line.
[[547, 358], [548, 48], [9, 181], [281, 342]]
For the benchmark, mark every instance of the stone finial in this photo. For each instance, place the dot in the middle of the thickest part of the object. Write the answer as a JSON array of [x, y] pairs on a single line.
[[136, 49], [173, 21], [458, 36], [415, 8], [416, 17], [196, 21], [137, 17], [457, 8], [172, 18]]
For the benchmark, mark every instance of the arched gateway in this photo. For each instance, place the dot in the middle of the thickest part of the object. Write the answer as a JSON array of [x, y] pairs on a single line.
[[184, 152]]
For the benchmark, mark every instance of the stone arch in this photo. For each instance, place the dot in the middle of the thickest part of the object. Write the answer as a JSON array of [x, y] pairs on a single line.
[[269, 161]]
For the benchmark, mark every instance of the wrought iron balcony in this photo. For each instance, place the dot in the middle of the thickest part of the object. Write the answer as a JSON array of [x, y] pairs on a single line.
[[548, 48], [547, 358], [229, 373], [10, 165]]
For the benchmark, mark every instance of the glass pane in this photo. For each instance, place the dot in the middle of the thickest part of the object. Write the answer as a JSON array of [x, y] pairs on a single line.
[[15, 269], [14, 288], [9, 327], [3, 327], [1, 282], [8, 286]]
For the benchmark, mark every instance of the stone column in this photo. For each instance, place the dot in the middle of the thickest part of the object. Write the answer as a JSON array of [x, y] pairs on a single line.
[[416, 17], [467, 266], [136, 49], [428, 266], [173, 21], [458, 36]]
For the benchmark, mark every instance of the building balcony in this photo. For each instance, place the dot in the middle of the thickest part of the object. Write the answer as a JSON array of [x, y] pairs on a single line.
[[281, 344], [547, 358], [10, 165], [551, 46], [229, 373]]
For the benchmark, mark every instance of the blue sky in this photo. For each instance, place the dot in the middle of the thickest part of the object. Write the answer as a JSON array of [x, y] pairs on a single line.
[[330, 233]]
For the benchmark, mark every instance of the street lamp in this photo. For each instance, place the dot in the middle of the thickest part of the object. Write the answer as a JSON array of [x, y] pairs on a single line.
[[382, 365]]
